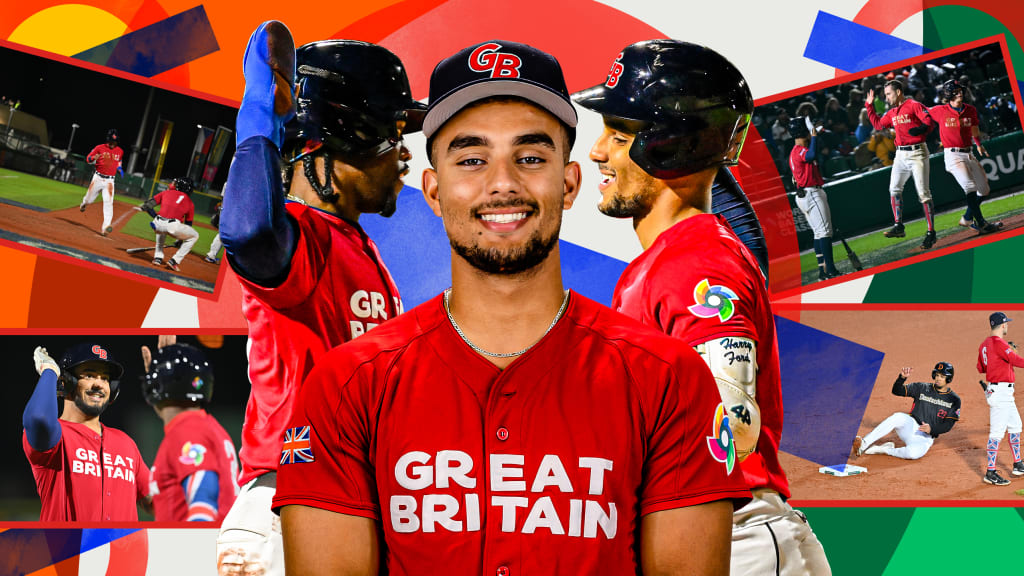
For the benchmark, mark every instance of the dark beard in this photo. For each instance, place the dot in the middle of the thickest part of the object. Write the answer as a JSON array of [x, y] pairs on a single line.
[[390, 205], [494, 261], [89, 409], [624, 207]]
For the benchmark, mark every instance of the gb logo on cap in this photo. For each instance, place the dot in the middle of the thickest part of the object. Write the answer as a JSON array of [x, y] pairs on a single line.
[[501, 64]]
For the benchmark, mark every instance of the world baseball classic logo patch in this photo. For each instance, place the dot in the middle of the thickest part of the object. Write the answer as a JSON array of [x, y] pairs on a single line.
[[297, 446], [711, 301], [720, 442], [192, 454]]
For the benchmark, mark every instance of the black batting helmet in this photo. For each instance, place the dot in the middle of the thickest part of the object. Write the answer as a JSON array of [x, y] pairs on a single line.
[[87, 355], [349, 95], [180, 375], [112, 135], [183, 185], [950, 88], [798, 128], [693, 104], [944, 368]]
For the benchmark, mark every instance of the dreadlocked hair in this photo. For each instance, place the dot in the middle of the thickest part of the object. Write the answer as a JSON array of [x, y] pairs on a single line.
[[326, 190]]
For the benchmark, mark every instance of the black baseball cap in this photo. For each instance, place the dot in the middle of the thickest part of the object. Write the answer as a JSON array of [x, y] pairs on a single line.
[[997, 318], [496, 68]]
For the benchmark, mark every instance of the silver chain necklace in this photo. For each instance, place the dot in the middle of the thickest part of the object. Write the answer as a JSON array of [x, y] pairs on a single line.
[[448, 311]]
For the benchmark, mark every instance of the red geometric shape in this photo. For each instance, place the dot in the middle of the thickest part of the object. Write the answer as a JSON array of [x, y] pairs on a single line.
[[224, 313], [67, 296], [129, 555]]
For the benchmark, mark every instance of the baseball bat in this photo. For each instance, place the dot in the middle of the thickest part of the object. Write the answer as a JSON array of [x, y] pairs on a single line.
[[137, 250], [854, 259]]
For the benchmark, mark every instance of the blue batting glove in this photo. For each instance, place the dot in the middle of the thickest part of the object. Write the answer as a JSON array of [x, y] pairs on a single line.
[[269, 67], [120, 171]]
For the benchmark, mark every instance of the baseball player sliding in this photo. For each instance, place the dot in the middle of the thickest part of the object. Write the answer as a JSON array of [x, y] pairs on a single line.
[[84, 471], [936, 409], [195, 473], [674, 113], [811, 198], [996, 360], [311, 278], [107, 159], [175, 219], [507, 426], [958, 127], [911, 121]]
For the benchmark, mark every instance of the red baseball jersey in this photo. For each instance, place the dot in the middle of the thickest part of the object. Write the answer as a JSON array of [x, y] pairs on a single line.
[[107, 159], [955, 126], [908, 114], [88, 477], [544, 467], [698, 282], [805, 173], [337, 288], [175, 205], [996, 360], [194, 442]]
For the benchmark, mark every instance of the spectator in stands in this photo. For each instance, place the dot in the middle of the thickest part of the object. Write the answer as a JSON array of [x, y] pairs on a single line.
[[883, 145], [864, 127], [854, 106], [835, 117]]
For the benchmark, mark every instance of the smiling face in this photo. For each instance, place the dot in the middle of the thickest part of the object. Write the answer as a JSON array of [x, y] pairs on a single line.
[[93, 393], [500, 183], [626, 189]]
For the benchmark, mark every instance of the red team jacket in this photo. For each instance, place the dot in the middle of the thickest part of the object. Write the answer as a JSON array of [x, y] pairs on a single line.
[[996, 360], [107, 159], [544, 467], [337, 288], [907, 115], [194, 443], [955, 127], [698, 282], [86, 477]]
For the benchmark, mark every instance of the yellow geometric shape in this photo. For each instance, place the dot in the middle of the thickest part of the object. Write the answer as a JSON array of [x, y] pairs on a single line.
[[68, 29]]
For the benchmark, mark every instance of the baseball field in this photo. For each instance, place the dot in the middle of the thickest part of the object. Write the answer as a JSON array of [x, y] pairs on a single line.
[[953, 467], [43, 213]]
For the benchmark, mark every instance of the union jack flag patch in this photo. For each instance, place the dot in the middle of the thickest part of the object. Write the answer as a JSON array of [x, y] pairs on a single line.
[[297, 447]]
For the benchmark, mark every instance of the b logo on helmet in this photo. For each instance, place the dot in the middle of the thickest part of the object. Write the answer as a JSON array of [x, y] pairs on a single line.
[[615, 72], [100, 352], [501, 64]]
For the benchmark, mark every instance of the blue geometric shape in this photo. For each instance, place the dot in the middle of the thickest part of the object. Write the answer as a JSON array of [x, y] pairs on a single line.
[[158, 47], [826, 383], [416, 251], [853, 47], [96, 537], [23, 551]]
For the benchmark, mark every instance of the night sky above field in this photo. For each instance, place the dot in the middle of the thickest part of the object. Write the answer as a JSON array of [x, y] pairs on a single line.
[[63, 94]]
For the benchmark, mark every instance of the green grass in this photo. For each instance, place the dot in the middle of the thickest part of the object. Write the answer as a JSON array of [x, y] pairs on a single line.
[[53, 195], [993, 210]]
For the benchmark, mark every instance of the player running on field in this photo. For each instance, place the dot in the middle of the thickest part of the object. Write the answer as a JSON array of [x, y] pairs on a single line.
[[911, 122], [936, 409], [107, 159], [507, 426]]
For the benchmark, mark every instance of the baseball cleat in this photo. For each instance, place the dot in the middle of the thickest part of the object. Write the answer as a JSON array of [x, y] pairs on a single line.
[[988, 228], [211, 260], [881, 448], [896, 231], [173, 265], [158, 261], [1018, 469], [993, 477], [858, 446], [81, 207], [107, 230], [929, 240], [963, 222]]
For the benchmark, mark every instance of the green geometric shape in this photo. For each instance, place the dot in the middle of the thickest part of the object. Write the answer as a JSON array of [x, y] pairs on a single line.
[[1000, 275], [945, 279], [946, 26], [959, 541], [859, 541]]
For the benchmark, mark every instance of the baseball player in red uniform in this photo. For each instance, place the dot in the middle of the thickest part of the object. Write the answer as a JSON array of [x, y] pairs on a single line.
[[311, 277], [811, 198], [507, 414], [107, 159], [84, 471], [996, 360], [195, 474], [175, 219], [695, 280], [958, 127], [911, 122]]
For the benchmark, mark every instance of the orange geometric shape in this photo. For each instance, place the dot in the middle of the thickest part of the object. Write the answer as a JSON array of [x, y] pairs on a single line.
[[68, 567], [16, 290]]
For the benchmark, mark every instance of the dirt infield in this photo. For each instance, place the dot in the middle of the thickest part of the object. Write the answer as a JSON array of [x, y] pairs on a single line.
[[77, 234], [953, 467]]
